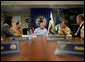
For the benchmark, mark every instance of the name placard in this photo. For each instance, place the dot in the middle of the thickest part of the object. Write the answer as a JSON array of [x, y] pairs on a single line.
[[20, 39], [9, 48], [58, 38], [72, 48]]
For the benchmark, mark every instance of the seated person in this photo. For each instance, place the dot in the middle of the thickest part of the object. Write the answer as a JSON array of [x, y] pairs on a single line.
[[65, 30], [6, 27], [80, 32], [41, 30], [17, 31]]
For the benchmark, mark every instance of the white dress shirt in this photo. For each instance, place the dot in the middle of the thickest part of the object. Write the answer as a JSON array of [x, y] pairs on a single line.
[[79, 28]]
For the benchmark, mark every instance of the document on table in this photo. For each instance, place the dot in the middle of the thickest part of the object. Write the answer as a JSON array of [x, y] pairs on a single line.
[[33, 36]]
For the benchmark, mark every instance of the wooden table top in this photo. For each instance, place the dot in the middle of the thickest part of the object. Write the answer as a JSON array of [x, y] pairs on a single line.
[[39, 49]]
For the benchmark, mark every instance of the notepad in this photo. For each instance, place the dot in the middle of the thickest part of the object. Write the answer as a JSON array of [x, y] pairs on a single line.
[[32, 36]]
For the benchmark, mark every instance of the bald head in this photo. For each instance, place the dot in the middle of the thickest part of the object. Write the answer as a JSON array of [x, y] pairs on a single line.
[[42, 25]]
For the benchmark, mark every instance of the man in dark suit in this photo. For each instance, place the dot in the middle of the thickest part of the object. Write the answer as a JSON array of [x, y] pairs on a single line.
[[80, 30]]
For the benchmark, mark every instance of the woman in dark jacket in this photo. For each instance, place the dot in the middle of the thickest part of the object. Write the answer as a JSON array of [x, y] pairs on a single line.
[[5, 30]]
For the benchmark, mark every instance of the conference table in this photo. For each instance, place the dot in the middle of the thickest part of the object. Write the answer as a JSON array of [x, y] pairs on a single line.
[[39, 49]]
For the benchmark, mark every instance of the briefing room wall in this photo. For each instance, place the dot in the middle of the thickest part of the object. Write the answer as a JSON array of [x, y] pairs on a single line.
[[22, 14], [2, 17], [66, 15], [61, 15], [27, 14]]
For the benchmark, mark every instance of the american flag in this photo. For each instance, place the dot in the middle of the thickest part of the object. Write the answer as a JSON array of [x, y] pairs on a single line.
[[30, 26]]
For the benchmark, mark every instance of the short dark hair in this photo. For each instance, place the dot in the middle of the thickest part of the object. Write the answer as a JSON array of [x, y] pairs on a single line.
[[81, 16], [17, 23], [66, 22], [8, 20]]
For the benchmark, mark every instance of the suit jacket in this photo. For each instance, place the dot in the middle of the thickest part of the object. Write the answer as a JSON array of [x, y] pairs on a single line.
[[79, 32]]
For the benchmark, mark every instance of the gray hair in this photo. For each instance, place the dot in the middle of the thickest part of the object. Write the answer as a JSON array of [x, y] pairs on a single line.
[[81, 16], [43, 23]]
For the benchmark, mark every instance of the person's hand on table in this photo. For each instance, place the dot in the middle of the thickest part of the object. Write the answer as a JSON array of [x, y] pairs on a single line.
[[17, 34], [49, 33], [20, 34], [69, 36]]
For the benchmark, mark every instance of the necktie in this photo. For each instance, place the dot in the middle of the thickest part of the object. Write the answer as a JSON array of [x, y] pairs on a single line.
[[77, 31]]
